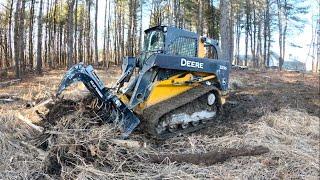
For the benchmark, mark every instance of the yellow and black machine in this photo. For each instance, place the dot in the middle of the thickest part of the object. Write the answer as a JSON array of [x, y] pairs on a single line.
[[179, 87]]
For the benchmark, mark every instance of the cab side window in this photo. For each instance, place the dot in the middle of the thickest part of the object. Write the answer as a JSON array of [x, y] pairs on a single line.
[[183, 46]]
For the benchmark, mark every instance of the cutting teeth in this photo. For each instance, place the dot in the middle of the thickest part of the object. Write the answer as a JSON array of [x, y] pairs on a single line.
[[204, 121], [184, 125], [173, 127], [195, 123], [161, 128]]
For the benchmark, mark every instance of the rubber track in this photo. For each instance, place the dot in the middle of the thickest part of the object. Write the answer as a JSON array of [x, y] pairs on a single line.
[[152, 114]]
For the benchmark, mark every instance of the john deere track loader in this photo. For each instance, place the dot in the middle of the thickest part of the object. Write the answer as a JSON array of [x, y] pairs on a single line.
[[178, 89]]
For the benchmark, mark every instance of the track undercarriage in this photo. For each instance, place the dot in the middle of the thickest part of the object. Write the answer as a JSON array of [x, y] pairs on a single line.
[[185, 113]]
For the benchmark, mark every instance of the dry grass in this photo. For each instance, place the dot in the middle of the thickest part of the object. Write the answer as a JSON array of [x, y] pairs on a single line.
[[79, 145], [18, 161]]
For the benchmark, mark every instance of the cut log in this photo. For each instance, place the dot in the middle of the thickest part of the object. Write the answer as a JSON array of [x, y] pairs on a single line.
[[41, 153], [129, 143], [35, 113], [209, 158], [8, 98], [9, 83], [44, 103], [29, 122], [41, 108]]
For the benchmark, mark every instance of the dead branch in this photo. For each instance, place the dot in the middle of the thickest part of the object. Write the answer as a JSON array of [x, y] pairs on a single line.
[[29, 122], [129, 143], [210, 158], [7, 98], [42, 104], [41, 154], [9, 83], [37, 112]]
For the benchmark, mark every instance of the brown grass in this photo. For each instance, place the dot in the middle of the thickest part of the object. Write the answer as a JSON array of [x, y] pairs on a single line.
[[279, 112]]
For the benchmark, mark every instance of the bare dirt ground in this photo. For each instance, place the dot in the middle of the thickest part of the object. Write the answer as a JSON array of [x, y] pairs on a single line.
[[278, 110]]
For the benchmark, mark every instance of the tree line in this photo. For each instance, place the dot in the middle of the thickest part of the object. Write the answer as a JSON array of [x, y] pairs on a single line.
[[59, 33]]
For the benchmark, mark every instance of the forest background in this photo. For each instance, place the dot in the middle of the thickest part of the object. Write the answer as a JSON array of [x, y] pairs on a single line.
[[37, 34]]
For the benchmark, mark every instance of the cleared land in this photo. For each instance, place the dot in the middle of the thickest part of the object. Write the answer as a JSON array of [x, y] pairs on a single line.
[[277, 110]]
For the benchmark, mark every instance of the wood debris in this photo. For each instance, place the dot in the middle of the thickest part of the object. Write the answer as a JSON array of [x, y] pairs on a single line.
[[9, 83], [29, 122]]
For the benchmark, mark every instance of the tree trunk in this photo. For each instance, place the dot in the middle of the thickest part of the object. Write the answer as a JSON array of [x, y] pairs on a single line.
[[80, 42], [130, 29], [21, 35], [108, 36], [17, 38], [39, 43], [238, 37], [31, 35], [6, 53], [280, 33], [75, 33], [141, 30], [254, 38], [96, 55], [247, 31], [1, 52], [122, 35], [70, 32], [1, 56], [88, 29], [226, 29], [115, 45], [49, 42], [55, 37], [60, 45], [134, 30], [122, 24], [318, 45], [265, 33], [285, 28], [259, 44], [105, 34], [199, 22], [9, 60], [46, 54]]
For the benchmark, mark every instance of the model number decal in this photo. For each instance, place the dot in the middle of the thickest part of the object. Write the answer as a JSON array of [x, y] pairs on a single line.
[[222, 67], [193, 64]]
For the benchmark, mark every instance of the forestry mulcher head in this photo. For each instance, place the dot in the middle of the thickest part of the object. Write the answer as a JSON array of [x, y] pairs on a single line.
[[179, 87]]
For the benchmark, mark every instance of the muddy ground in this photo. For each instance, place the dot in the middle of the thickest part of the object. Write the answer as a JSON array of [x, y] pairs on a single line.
[[278, 110]]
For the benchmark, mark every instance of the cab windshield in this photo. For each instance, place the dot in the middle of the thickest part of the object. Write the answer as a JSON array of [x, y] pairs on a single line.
[[154, 41]]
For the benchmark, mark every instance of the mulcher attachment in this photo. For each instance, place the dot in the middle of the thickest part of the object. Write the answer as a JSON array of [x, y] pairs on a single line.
[[85, 74]]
